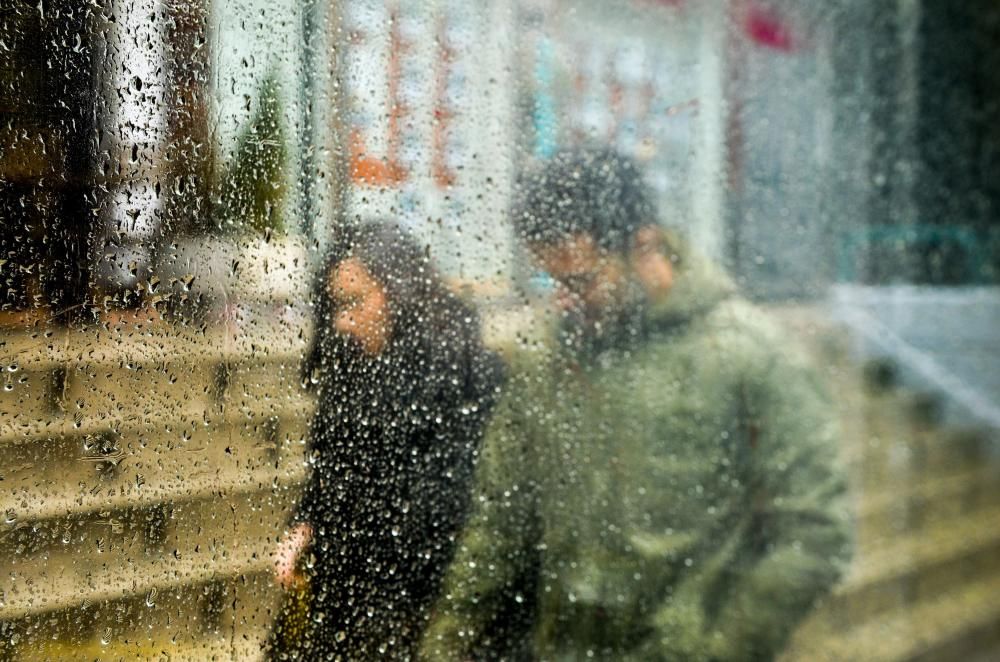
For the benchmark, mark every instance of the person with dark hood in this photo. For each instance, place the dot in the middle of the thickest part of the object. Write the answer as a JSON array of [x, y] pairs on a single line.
[[660, 482], [405, 386]]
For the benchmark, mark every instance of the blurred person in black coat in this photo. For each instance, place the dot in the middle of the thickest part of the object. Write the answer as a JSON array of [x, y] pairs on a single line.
[[405, 387]]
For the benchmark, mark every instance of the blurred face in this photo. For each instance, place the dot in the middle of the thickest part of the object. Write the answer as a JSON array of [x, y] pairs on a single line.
[[650, 264], [586, 275], [360, 306]]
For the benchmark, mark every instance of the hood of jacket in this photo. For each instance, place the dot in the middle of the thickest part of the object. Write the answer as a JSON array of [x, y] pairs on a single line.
[[699, 285]]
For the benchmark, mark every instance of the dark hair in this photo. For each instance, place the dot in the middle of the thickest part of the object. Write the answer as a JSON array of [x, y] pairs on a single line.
[[432, 329], [596, 191]]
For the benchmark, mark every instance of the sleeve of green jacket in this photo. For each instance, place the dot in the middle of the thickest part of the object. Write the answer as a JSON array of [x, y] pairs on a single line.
[[487, 579], [791, 545], [796, 538]]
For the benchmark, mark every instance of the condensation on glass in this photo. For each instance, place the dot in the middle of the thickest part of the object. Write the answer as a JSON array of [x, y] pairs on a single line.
[[432, 329]]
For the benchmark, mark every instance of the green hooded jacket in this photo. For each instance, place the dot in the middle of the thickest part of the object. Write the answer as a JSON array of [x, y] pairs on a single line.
[[673, 497]]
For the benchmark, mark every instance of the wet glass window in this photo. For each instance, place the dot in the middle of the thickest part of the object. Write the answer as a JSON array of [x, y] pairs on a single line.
[[499, 330]]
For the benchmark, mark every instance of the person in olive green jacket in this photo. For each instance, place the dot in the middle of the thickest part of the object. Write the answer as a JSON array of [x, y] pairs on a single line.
[[660, 482]]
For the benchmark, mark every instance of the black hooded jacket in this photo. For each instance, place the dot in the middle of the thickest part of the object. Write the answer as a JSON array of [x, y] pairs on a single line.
[[392, 451]]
